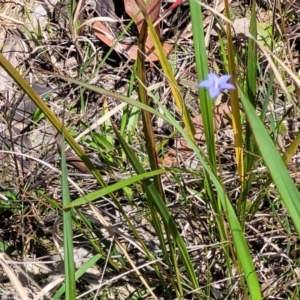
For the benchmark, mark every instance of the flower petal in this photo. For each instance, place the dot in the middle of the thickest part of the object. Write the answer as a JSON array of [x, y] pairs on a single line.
[[223, 79], [213, 78], [206, 84], [214, 92], [216, 84], [227, 86]]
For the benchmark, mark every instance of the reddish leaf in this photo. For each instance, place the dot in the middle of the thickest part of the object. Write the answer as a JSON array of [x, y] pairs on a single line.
[[102, 33], [153, 8], [173, 6]]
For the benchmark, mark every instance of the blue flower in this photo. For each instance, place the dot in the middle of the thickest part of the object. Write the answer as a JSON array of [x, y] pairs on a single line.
[[216, 85]]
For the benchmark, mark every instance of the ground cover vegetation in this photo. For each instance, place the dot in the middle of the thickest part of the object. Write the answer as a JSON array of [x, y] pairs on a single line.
[[149, 149]]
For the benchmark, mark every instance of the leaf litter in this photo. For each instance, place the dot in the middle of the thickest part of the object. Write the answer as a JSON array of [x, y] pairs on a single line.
[[27, 233]]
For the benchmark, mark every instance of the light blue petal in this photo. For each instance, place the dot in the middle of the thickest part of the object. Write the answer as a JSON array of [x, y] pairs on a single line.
[[206, 84], [214, 92], [227, 86], [223, 79], [213, 78]]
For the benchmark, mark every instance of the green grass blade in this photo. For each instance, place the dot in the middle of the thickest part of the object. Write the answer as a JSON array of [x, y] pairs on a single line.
[[24, 85], [252, 58], [67, 231], [114, 187], [250, 147], [154, 199], [285, 185], [206, 104], [239, 240], [81, 271]]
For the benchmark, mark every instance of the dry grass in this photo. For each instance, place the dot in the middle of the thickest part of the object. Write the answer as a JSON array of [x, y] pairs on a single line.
[[30, 226]]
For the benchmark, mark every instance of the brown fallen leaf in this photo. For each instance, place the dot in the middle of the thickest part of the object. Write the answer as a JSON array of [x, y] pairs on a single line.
[[105, 35], [152, 7], [102, 33]]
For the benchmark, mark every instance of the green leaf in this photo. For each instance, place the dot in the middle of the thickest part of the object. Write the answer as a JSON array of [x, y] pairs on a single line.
[[283, 181], [67, 230], [114, 187]]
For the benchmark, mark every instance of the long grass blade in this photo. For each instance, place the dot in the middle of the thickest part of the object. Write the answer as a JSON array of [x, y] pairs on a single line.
[[24, 85], [143, 96], [155, 201], [285, 185], [234, 101], [206, 104], [239, 240], [67, 230], [250, 146], [81, 271], [114, 187], [171, 78]]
